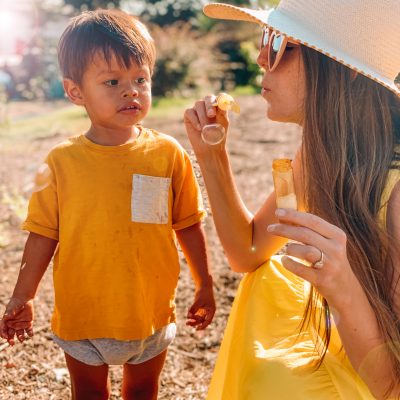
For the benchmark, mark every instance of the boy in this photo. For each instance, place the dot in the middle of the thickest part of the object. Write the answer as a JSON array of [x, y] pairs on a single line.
[[115, 199]]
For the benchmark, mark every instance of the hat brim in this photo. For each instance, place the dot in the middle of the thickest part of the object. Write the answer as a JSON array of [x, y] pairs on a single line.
[[297, 32]]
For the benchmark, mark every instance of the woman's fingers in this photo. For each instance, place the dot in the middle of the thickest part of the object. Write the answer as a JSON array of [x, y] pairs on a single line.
[[308, 253], [301, 270], [311, 222], [300, 234], [209, 102], [205, 112], [310, 230], [201, 111], [323, 245], [191, 117], [197, 115]]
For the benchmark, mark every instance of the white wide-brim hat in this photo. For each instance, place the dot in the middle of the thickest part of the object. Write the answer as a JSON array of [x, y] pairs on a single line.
[[361, 34]]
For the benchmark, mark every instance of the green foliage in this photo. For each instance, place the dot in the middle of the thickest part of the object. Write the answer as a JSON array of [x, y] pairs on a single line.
[[92, 4], [187, 61], [168, 12], [249, 52], [238, 42]]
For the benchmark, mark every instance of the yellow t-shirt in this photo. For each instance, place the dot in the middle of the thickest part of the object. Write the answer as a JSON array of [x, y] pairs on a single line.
[[114, 210]]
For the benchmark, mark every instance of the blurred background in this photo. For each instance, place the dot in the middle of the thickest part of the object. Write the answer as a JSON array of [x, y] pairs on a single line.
[[195, 54]]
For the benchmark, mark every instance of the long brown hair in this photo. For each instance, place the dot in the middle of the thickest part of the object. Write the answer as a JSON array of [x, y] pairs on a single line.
[[350, 130]]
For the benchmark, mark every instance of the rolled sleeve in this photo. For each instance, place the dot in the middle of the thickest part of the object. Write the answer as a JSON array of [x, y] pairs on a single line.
[[188, 206], [43, 213]]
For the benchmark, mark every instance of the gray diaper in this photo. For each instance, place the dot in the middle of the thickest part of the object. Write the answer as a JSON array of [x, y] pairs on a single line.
[[118, 352]]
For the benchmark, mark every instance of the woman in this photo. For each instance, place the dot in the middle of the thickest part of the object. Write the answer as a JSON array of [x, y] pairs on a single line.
[[329, 330]]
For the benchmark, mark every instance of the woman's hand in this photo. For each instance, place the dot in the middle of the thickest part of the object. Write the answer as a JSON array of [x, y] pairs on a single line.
[[323, 246], [204, 113]]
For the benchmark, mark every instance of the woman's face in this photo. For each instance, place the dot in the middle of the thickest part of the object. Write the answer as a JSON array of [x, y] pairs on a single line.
[[284, 88]]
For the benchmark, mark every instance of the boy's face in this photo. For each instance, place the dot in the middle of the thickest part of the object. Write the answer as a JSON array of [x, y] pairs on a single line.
[[114, 97]]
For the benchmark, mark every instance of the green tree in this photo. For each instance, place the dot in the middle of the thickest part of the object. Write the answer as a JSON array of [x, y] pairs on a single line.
[[92, 4], [168, 12]]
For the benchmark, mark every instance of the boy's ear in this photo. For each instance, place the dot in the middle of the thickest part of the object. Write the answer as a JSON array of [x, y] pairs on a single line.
[[73, 91]]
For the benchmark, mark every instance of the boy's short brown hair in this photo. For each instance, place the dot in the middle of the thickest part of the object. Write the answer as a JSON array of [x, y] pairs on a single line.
[[110, 32]]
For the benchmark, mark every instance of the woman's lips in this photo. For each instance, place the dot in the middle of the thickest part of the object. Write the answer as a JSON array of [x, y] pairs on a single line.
[[265, 91]]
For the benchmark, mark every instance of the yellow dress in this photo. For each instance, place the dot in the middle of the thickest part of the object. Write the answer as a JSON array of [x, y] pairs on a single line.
[[262, 356]]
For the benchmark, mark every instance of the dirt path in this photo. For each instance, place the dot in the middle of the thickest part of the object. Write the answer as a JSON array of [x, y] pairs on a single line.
[[36, 369]]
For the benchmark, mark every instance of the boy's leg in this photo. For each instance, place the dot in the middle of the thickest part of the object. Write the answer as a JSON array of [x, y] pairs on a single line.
[[88, 382], [140, 381]]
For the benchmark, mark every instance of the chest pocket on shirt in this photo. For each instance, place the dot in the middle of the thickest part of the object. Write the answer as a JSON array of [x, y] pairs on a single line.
[[150, 199]]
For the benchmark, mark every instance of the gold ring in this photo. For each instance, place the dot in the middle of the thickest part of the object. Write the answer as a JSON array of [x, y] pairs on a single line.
[[320, 263]]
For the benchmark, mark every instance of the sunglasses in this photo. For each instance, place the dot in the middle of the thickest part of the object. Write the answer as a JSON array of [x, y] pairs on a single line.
[[276, 43]]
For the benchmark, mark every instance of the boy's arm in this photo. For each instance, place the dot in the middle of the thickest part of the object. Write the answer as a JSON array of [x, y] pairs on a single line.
[[19, 312], [193, 244]]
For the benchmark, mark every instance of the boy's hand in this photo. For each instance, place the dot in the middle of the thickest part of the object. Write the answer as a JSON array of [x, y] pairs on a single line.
[[17, 321], [202, 311]]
